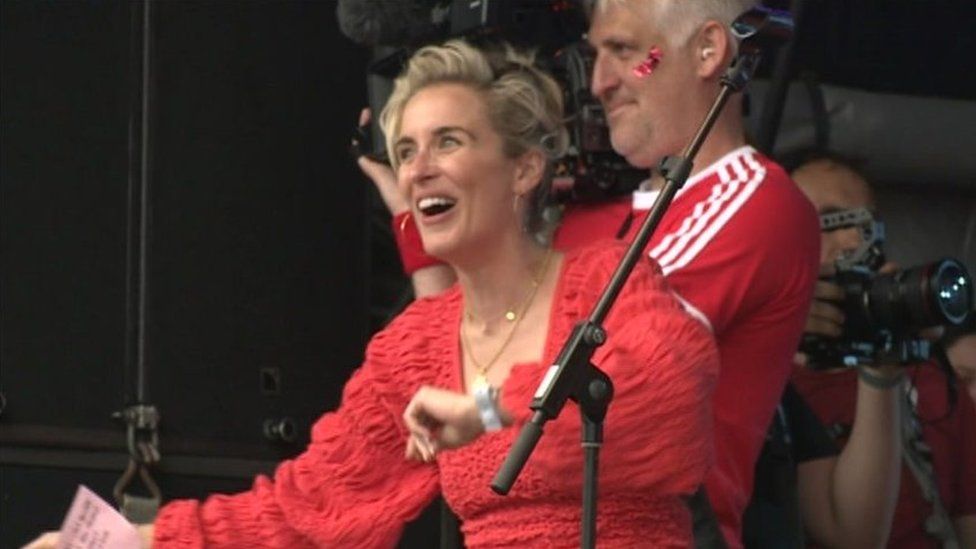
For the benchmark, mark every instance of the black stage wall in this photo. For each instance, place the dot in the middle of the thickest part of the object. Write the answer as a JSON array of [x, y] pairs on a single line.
[[259, 256]]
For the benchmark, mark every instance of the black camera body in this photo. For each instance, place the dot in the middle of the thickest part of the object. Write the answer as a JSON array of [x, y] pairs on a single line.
[[591, 170], [884, 312]]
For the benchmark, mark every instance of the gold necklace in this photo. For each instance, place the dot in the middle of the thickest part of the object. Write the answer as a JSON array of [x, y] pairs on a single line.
[[516, 318], [512, 313]]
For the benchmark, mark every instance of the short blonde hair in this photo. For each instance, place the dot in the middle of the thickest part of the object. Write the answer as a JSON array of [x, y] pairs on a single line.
[[525, 105]]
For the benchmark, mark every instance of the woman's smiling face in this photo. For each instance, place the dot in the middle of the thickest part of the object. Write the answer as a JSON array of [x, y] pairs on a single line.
[[453, 171]]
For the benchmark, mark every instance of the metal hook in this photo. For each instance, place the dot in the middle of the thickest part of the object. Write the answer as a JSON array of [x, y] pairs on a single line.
[[142, 440], [123, 482], [137, 509]]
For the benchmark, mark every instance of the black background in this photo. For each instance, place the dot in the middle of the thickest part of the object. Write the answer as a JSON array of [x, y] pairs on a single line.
[[259, 253]]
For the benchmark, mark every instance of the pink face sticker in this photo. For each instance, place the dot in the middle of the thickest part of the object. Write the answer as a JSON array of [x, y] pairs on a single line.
[[647, 66]]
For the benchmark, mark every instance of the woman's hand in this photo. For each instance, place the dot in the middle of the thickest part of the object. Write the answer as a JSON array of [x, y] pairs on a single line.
[[382, 176], [49, 540], [439, 419]]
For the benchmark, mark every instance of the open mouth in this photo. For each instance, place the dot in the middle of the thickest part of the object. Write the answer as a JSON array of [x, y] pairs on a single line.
[[434, 205]]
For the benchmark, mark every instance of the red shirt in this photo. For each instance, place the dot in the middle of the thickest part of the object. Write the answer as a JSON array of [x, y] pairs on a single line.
[[353, 487], [740, 244], [952, 438]]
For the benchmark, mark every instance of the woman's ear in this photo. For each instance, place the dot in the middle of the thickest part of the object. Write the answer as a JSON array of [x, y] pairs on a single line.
[[529, 169], [713, 50]]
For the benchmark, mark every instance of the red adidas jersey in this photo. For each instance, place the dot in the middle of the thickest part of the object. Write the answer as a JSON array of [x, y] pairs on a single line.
[[740, 245]]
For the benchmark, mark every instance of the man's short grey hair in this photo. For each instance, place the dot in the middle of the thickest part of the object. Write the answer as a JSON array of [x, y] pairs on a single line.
[[680, 19]]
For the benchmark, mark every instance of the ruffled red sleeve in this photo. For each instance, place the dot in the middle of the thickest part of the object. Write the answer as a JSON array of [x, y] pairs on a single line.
[[352, 487], [663, 363]]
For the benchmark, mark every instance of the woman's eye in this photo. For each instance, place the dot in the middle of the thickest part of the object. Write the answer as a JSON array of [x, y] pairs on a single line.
[[449, 141], [404, 154]]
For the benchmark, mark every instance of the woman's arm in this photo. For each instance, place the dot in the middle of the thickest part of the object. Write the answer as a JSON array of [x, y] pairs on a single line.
[[351, 487], [429, 276]]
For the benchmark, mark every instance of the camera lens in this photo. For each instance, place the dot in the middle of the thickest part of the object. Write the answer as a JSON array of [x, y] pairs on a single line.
[[952, 291], [934, 294]]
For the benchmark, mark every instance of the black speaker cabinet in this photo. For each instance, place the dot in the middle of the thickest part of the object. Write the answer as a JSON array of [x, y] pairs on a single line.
[[257, 260]]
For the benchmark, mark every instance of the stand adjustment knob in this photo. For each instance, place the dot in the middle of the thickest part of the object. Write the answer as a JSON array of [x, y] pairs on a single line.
[[596, 335], [280, 430]]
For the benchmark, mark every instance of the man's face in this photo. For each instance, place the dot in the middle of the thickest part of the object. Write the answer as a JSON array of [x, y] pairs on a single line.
[[648, 116], [834, 188]]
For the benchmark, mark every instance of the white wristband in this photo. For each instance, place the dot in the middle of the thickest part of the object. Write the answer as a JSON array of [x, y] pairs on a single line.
[[486, 398]]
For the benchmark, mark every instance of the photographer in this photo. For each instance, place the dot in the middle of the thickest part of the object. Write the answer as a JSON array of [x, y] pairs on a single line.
[[937, 499]]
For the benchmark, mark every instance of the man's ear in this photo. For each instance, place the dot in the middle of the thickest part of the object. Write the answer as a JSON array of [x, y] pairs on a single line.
[[713, 50], [529, 169]]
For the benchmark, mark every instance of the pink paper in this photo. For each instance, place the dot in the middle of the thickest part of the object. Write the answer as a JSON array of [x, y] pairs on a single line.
[[93, 524]]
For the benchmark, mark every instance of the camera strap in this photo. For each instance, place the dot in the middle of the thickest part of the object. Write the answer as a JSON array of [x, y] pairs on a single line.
[[917, 455]]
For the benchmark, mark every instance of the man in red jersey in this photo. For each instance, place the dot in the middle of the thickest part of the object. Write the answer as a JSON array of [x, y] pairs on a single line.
[[739, 243]]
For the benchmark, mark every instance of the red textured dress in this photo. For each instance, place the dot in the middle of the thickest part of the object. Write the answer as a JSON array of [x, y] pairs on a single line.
[[353, 488]]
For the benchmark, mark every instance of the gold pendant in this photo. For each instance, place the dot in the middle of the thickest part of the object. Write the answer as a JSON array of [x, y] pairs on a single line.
[[479, 380]]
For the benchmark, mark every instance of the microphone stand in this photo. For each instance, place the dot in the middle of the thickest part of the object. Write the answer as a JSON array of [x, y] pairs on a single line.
[[573, 375]]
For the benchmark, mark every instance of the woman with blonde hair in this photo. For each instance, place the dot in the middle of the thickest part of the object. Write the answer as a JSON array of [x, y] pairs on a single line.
[[445, 387]]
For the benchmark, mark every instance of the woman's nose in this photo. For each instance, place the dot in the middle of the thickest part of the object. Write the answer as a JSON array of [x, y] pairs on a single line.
[[420, 168]]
